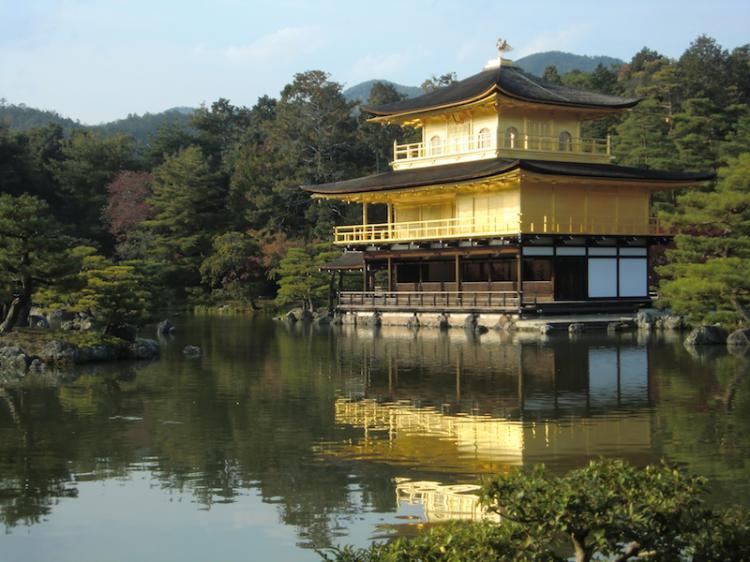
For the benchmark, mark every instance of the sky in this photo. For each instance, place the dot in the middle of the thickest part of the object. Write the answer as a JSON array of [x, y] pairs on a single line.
[[99, 60]]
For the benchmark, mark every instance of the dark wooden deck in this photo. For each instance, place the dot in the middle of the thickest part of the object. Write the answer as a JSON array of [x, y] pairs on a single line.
[[479, 302]]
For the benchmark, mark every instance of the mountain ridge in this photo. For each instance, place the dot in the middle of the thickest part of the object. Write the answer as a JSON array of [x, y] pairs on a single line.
[[19, 117]]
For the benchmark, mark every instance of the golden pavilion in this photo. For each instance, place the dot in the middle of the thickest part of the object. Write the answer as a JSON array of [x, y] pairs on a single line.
[[502, 206]]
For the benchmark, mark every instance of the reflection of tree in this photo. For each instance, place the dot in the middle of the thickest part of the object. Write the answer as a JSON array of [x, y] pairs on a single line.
[[260, 405], [704, 413]]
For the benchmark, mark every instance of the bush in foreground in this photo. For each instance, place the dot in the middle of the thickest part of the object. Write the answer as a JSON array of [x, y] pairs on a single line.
[[608, 510]]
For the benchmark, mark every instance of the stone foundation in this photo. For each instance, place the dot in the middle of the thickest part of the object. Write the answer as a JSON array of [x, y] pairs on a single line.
[[441, 320]]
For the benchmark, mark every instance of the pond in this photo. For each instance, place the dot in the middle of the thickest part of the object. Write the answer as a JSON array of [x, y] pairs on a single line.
[[280, 440]]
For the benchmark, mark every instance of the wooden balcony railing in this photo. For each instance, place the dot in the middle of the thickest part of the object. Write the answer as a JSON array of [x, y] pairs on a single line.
[[454, 146], [572, 145], [458, 228], [429, 300], [450, 147], [438, 229]]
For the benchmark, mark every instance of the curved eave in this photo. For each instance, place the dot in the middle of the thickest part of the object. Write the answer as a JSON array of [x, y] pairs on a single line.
[[482, 170], [486, 95]]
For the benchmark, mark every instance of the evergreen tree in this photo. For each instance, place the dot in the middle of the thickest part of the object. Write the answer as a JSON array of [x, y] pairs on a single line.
[[314, 139], [89, 163], [643, 140], [251, 185], [708, 273], [234, 269], [300, 279], [116, 294], [703, 70], [168, 140], [436, 82], [218, 129], [552, 75], [31, 245], [188, 205], [378, 138], [696, 133]]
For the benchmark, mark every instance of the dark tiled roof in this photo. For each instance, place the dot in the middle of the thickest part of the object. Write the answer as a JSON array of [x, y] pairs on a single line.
[[347, 261], [510, 81], [454, 173]]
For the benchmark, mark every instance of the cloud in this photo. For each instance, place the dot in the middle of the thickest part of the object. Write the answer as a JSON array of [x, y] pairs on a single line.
[[378, 66], [562, 40], [285, 44]]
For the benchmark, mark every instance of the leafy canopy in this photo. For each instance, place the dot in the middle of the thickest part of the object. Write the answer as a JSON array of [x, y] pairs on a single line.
[[708, 273]]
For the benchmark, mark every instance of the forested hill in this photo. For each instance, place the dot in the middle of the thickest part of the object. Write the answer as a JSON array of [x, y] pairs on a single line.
[[22, 118], [361, 92], [535, 64], [564, 62]]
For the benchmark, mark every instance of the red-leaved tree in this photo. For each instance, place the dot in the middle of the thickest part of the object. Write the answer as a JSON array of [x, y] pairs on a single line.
[[126, 204]]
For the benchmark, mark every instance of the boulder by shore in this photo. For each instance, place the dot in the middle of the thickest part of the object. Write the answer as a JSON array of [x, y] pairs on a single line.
[[36, 351]]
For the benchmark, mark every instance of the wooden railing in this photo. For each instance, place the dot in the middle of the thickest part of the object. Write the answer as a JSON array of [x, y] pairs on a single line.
[[453, 146], [447, 147], [438, 229], [453, 228], [573, 145], [429, 300]]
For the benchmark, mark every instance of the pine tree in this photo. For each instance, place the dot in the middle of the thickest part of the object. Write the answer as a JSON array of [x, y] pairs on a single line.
[[188, 203], [31, 253], [234, 269], [300, 279], [708, 274]]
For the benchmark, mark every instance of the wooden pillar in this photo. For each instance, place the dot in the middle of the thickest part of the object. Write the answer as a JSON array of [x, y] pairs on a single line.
[[364, 213], [519, 276], [389, 212], [390, 275], [459, 365], [364, 278], [458, 273]]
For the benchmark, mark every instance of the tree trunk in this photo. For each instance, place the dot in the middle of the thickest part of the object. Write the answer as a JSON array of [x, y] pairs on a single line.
[[11, 317], [741, 308], [583, 554]]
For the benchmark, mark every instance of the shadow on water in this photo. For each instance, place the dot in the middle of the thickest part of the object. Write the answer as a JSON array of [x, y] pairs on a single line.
[[339, 430]]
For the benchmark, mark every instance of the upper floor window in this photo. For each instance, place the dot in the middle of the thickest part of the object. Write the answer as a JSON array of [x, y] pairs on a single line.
[[565, 143], [511, 137], [436, 145], [483, 139]]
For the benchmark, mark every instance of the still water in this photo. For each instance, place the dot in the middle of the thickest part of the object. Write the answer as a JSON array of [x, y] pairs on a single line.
[[280, 440]]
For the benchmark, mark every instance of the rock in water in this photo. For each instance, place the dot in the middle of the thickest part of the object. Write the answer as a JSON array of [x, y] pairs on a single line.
[[576, 328], [192, 351], [615, 327], [144, 348], [706, 335], [165, 328], [60, 352], [13, 359], [739, 337]]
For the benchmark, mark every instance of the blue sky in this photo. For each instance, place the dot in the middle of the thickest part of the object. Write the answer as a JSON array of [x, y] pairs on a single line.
[[98, 60]]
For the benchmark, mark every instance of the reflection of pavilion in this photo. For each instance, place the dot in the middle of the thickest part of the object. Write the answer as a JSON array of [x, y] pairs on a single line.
[[425, 438], [434, 405], [443, 502], [504, 378]]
